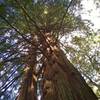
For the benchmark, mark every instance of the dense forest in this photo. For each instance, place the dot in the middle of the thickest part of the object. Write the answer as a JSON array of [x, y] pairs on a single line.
[[47, 51]]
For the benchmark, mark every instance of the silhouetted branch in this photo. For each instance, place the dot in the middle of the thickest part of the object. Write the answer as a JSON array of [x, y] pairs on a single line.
[[15, 29], [10, 83], [10, 75]]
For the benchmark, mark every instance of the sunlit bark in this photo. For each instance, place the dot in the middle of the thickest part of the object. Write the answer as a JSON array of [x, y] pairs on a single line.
[[67, 81], [61, 80], [27, 87]]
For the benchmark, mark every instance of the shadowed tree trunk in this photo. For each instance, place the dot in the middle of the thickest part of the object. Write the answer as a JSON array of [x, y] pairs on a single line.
[[61, 81], [67, 81], [27, 90]]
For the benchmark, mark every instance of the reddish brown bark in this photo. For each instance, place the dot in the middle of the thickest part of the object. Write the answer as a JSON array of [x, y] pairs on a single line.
[[27, 91], [61, 80], [68, 82]]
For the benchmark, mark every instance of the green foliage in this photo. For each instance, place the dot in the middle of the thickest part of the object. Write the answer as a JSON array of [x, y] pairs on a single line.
[[84, 54], [30, 16]]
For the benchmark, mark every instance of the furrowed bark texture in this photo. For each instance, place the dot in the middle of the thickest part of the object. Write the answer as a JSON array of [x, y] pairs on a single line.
[[68, 84], [27, 87], [62, 81]]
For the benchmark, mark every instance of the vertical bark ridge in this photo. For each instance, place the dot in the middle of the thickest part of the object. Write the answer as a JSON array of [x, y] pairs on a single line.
[[27, 91], [62, 80], [68, 82], [28, 86], [80, 90]]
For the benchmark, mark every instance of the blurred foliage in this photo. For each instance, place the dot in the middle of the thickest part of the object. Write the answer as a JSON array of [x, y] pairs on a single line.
[[84, 53]]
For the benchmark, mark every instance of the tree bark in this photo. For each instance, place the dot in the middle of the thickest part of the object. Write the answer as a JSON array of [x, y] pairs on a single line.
[[27, 91], [62, 81], [67, 81]]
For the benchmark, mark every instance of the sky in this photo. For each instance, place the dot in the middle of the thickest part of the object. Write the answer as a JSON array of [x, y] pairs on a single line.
[[91, 13]]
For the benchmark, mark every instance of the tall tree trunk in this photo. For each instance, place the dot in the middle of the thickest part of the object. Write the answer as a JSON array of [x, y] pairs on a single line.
[[65, 82], [27, 91], [68, 84], [62, 81], [28, 85]]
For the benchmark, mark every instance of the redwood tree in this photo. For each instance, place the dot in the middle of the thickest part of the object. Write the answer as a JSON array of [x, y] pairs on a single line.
[[36, 28]]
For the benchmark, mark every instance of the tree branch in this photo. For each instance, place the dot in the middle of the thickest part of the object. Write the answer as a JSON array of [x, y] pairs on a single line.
[[15, 29], [61, 23]]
